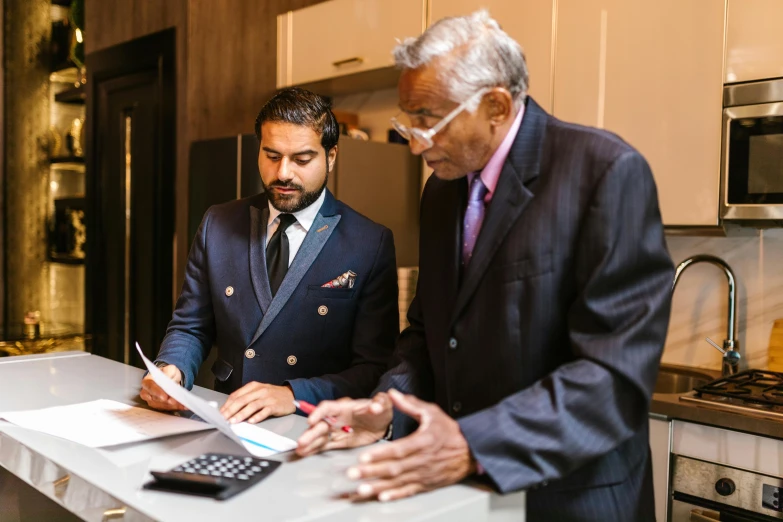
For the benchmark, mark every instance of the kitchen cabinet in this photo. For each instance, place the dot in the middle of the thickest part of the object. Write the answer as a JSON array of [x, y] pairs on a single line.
[[529, 22], [660, 448], [614, 69], [754, 40], [343, 37]]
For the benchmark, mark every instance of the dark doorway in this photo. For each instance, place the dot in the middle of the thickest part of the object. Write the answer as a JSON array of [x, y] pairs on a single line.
[[131, 146]]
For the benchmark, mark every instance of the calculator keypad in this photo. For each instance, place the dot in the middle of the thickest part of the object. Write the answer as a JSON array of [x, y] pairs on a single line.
[[225, 466]]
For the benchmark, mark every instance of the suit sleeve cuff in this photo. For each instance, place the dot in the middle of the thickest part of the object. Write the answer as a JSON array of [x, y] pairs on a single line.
[[301, 390]]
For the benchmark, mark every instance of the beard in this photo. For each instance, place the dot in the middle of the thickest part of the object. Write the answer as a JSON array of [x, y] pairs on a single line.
[[292, 203]]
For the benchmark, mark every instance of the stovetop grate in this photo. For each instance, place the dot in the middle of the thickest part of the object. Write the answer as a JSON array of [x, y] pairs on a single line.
[[753, 386]]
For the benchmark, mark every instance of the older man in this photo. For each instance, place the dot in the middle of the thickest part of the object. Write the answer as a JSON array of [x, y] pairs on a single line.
[[543, 298]]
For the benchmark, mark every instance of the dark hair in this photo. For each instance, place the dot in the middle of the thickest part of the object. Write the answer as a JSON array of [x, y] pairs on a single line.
[[301, 107]]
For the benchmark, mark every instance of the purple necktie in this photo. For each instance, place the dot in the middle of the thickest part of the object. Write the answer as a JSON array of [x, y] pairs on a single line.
[[474, 215]]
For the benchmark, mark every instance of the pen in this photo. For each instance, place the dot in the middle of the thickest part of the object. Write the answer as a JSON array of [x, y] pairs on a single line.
[[331, 421]]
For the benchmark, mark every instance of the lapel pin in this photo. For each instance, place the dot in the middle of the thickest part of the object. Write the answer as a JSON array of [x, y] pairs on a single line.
[[229, 291], [322, 228]]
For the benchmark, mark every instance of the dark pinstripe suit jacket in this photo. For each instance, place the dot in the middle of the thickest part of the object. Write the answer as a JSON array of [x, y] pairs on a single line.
[[546, 347]]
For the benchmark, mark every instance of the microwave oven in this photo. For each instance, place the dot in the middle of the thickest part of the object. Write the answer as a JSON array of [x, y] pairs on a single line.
[[752, 153]]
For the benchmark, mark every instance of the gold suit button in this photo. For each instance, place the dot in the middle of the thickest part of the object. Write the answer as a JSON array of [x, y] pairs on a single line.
[[323, 310], [250, 353], [229, 291], [291, 360]]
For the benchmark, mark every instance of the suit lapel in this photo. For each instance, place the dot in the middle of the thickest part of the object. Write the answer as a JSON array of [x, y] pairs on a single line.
[[320, 231], [509, 201], [259, 217], [445, 242]]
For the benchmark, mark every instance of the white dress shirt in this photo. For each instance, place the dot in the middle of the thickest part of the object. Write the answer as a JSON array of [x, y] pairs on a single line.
[[296, 232]]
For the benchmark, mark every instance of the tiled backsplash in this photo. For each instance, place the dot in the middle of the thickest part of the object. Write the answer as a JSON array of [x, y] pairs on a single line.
[[700, 306]]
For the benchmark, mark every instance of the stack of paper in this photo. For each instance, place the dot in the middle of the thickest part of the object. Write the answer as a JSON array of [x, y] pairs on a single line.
[[103, 422]]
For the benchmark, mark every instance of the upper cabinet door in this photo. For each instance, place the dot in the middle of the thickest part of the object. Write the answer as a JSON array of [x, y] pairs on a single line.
[[650, 71], [754, 43], [529, 22], [343, 37]]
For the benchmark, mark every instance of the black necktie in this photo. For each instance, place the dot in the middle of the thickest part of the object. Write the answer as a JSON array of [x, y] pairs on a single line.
[[277, 253]]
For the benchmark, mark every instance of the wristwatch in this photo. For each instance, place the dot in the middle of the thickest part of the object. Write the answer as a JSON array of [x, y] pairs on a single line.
[[388, 434]]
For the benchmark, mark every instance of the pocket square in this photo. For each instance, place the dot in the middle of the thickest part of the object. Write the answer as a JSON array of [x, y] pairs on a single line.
[[345, 280]]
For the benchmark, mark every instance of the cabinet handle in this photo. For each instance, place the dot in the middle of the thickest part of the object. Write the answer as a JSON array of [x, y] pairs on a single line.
[[355, 59], [114, 513], [60, 485], [704, 515]]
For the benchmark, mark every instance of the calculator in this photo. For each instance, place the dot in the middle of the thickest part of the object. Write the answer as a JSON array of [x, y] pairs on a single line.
[[213, 475]]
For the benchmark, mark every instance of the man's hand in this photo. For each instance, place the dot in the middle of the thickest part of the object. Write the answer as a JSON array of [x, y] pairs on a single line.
[[255, 402], [369, 419], [154, 394], [435, 455]]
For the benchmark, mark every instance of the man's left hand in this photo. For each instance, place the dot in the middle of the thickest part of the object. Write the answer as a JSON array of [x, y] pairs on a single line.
[[433, 456], [255, 402]]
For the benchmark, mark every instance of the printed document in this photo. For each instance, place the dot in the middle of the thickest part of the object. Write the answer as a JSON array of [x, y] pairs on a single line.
[[103, 423], [257, 441]]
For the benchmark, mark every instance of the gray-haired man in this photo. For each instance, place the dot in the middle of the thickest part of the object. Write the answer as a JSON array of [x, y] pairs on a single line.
[[542, 304]]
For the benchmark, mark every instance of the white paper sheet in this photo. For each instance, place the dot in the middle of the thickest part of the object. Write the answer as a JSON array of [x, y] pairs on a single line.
[[103, 423], [257, 441]]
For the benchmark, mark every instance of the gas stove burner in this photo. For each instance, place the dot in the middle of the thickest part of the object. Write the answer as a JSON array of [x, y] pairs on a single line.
[[754, 388]]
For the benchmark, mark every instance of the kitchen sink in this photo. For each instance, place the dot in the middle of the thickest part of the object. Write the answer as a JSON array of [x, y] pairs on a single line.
[[682, 379]]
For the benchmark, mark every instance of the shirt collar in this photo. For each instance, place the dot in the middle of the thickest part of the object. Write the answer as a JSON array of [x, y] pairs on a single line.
[[490, 174], [304, 217]]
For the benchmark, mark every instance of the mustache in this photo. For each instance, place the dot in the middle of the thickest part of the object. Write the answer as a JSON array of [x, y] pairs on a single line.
[[286, 185]]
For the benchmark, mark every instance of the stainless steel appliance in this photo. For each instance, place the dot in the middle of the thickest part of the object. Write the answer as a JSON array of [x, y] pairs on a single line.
[[705, 491], [752, 153]]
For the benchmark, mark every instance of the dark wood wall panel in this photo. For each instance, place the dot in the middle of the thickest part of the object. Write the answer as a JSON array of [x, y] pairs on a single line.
[[112, 22], [226, 66], [233, 53]]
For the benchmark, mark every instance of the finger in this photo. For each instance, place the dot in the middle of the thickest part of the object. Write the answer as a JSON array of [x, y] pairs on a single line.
[[261, 415], [159, 405], [174, 404], [402, 492], [232, 406], [313, 440], [398, 449], [246, 412], [388, 469], [329, 409], [241, 392], [380, 403], [155, 392], [409, 405], [380, 487]]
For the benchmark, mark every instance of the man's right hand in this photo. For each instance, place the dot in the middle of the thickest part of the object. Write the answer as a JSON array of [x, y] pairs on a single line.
[[369, 418], [154, 394]]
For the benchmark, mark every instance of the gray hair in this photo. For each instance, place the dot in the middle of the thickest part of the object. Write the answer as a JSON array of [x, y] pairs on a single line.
[[484, 56]]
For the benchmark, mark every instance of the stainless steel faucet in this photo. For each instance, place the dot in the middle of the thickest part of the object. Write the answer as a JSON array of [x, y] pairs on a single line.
[[731, 348]]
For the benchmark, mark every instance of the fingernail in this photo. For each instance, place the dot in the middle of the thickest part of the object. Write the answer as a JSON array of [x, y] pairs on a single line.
[[376, 408], [353, 473], [385, 496], [233, 420], [364, 489], [365, 458]]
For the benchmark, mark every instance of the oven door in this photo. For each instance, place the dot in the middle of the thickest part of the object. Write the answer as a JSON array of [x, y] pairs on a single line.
[[752, 162], [694, 510]]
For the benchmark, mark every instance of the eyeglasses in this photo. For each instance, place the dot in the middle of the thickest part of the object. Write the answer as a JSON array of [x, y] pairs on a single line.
[[424, 136]]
